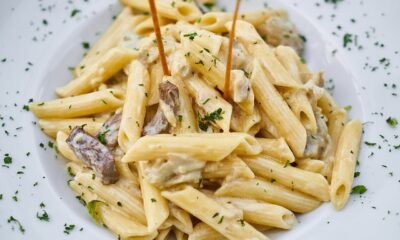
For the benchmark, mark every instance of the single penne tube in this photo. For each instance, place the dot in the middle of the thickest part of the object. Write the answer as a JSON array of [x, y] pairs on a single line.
[[122, 24], [212, 69], [176, 10], [201, 146], [345, 163], [258, 49], [288, 57], [216, 21], [187, 121], [232, 167], [265, 190], [114, 196], [276, 109], [52, 126], [226, 222], [146, 26], [118, 223], [276, 148], [79, 106], [311, 165], [261, 213], [183, 222], [336, 122], [294, 178], [155, 206], [104, 68], [204, 232], [64, 149], [209, 41], [134, 110], [210, 100]]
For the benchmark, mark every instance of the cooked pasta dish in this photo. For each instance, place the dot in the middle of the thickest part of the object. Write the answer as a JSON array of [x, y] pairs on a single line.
[[152, 154]]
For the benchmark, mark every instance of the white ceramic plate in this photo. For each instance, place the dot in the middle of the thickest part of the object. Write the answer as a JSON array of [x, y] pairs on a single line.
[[39, 40]]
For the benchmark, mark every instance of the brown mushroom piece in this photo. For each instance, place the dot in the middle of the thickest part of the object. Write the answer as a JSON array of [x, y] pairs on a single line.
[[108, 134], [169, 97], [94, 154], [280, 31]]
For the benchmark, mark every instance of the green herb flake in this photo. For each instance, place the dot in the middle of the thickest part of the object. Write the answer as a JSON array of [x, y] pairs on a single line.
[[347, 39], [74, 12], [359, 189], [357, 174], [86, 45], [44, 217], [221, 220], [348, 108], [241, 221], [26, 108], [392, 122], [119, 204], [208, 5], [191, 36], [153, 200], [20, 227], [92, 209], [102, 137], [68, 228], [7, 159], [286, 164], [215, 215], [206, 101], [369, 143]]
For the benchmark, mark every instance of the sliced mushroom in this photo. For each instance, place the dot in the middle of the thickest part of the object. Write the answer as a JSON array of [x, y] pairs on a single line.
[[94, 154], [167, 110], [108, 134]]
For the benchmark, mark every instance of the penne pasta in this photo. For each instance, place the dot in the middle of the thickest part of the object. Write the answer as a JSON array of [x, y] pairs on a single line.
[[177, 10], [216, 21], [269, 192], [99, 72], [230, 168], [64, 149], [79, 106], [212, 213], [52, 126], [133, 113], [345, 163], [311, 165], [207, 147], [296, 179]]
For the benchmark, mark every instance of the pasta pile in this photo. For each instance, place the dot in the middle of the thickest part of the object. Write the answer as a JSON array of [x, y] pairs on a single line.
[[153, 154]]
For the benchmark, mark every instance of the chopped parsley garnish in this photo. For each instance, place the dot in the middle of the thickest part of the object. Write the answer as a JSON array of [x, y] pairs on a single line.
[[153, 200], [7, 158], [241, 221], [208, 5], [359, 189], [180, 118], [191, 36], [119, 204], [86, 45], [286, 164], [215, 215], [68, 228], [348, 108], [206, 101], [92, 209], [26, 108], [210, 118], [369, 143], [43, 217], [102, 137], [20, 227], [221, 220], [392, 122], [74, 12], [347, 39], [356, 174]]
